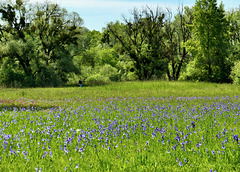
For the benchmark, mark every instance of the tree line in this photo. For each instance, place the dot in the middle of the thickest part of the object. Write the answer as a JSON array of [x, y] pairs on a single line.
[[45, 45]]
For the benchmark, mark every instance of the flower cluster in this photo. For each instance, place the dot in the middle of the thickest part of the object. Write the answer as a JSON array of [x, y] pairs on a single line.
[[121, 133]]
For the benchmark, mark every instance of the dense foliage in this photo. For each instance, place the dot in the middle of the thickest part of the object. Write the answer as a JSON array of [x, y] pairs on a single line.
[[44, 45]]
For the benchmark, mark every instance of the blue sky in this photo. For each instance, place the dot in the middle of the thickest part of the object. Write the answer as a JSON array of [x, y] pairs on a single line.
[[98, 13]]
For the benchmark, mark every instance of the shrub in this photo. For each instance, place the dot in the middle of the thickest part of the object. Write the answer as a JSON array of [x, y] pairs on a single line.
[[9, 77], [97, 79], [193, 73], [235, 73], [47, 78], [109, 72], [100, 74]]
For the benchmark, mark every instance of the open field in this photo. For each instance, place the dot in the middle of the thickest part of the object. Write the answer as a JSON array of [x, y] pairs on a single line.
[[132, 126]]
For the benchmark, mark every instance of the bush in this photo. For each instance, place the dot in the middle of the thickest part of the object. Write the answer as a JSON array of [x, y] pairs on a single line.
[[109, 72], [126, 69], [97, 79], [10, 77], [193, 73], [47, 78], [235, 73], [130, 76], [100, 74]]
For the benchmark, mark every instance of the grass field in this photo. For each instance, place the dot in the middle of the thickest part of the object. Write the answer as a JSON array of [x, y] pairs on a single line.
[[130, 126]]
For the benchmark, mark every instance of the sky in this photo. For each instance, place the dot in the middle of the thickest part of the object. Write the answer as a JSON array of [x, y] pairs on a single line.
[[96, 14]]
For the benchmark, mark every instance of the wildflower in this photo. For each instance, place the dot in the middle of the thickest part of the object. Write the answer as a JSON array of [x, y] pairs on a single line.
[[180, 164], [213, 152], [193, 125], [77, 166], [147, 143], [81, 150], [235, 137], [177, 138], [50, 153], [45, 154], [66, 150]]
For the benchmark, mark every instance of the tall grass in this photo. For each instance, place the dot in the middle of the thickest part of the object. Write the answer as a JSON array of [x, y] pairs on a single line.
[[124, 89]]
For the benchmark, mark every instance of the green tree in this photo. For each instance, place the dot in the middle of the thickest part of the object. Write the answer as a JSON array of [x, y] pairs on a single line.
[[234, 22], [17, 49], [40, 40], [177, 32], [142, 39], [210, 41]]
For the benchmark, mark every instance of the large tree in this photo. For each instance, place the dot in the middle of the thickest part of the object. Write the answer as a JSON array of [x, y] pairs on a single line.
[[142, 39], [211, 42], [234, 22], [177, 32], [37, 42]]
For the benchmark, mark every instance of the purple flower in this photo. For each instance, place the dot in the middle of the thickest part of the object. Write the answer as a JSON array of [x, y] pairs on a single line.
[[81, 150], [147, 143], [180, 164], [45, 154], [193, 125], [77, 166], [235, 137], [50, 153], [213, 152]]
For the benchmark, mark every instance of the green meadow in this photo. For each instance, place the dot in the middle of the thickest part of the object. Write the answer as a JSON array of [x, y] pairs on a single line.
[[124, 89], [129, 126]]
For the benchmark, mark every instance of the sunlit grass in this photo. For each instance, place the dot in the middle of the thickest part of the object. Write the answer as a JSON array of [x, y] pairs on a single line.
[[131, 126], [124, 89]]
